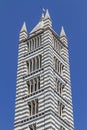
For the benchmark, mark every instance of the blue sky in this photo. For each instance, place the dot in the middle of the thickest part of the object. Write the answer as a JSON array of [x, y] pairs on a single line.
[[72, 14]]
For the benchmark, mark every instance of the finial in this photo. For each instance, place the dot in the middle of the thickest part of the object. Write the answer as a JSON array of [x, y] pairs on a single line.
[[24, 27], [62, 33], [23, 33], [42, 17], [47, 15], [43, 10]]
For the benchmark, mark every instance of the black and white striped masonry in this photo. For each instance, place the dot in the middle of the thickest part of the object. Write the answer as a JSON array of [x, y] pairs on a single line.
[[43, 87]]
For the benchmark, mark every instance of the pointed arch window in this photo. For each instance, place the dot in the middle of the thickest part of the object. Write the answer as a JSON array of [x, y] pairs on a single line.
[[34, 43]]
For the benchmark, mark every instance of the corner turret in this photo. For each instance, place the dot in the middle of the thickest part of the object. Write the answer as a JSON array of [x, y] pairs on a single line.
[[63, 36], [47, 20], [23, 33]]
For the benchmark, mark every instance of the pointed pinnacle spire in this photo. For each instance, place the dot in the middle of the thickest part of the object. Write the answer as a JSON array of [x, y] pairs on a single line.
[[62, 33], [47, 15], [24, 27], [42, 17], [23, 33]]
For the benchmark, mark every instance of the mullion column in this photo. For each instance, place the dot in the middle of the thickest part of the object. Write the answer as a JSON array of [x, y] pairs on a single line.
[[58, 83], [59, 67], [32, 65], [39, 61], [29, 46], [31, 108], [33, 85], [35, 63], [59, 47], [29, 67], [39, 41], [60, 88], [56, 64], [34, 43], [33, 127], [54, 43], [30, 86], [62, 69], [59, 107], [62, 107], [37, 83], [35, 106]]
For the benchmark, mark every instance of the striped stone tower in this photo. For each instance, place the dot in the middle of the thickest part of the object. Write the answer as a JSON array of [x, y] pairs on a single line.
[[43, 88]]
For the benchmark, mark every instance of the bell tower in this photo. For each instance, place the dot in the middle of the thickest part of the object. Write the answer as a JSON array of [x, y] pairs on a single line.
[[43, 88]]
